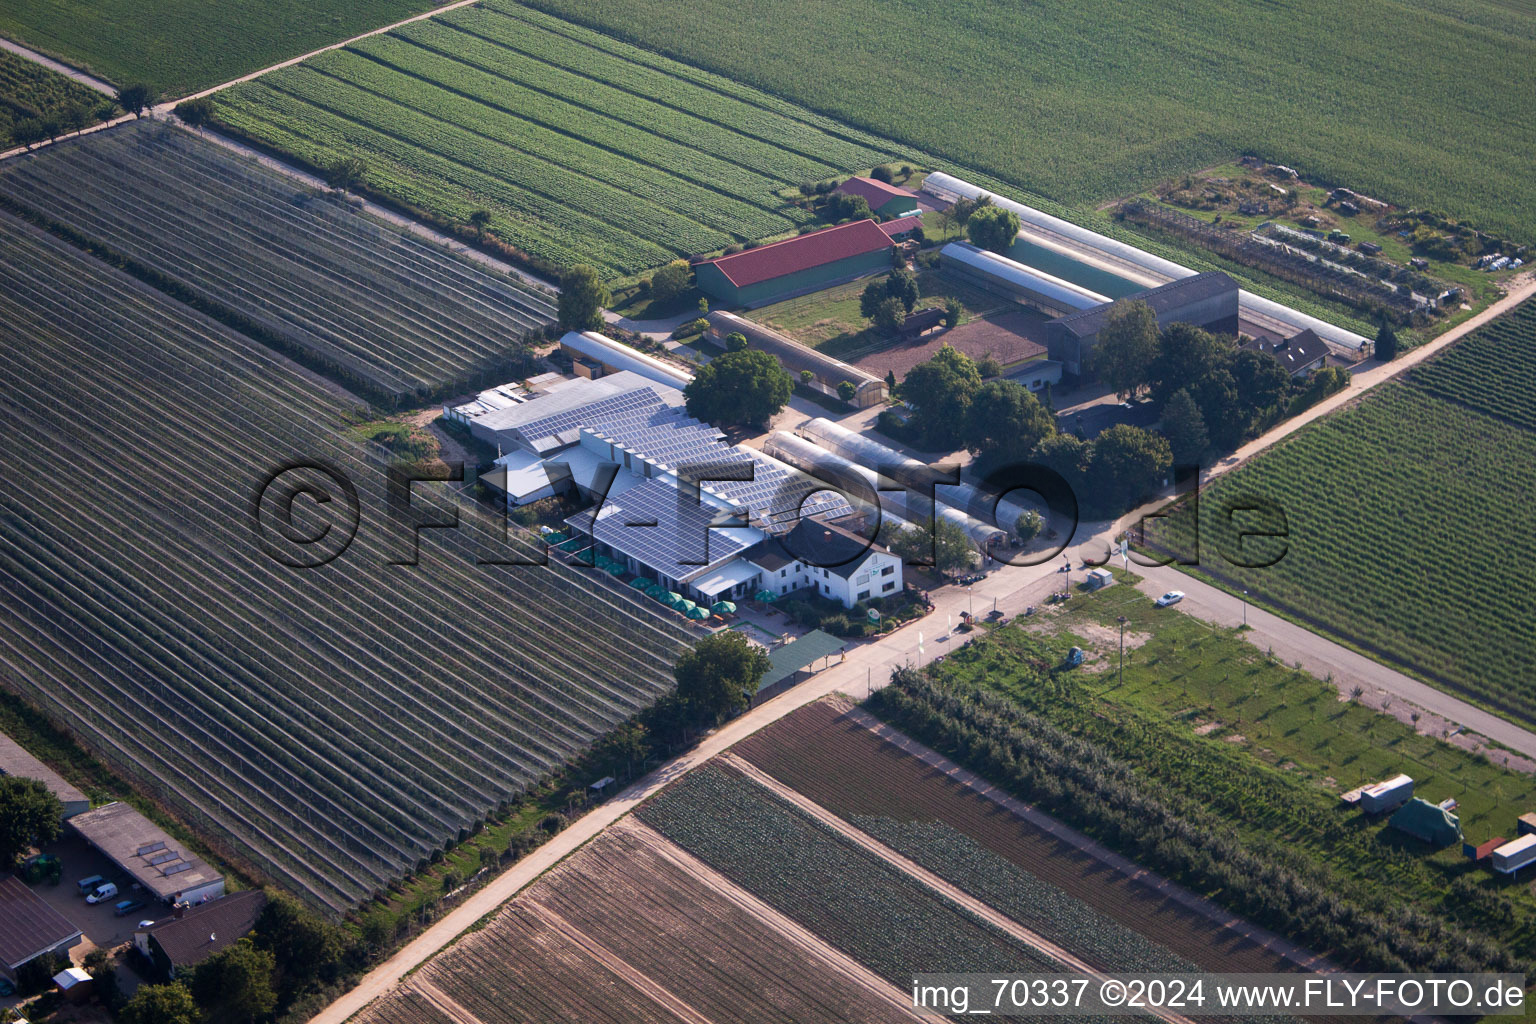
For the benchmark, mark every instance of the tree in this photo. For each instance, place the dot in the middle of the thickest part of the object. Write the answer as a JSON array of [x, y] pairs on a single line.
[[739, 387], [1005, 420], [345, 174], [735, 341], [1261, 381], [582, 298], [889, 315], [869, 300], [161, 1004], [29, 816], [1386, 341], [1067, 454], [992, 227], [28, 132], [1226, 419], [377, 930], [305, 946], [134, 98], [719, 677], [964, 209], [479, 220], [945, 546], [670, 281], [1185, 355], [952, 311], [1184, 428], [196, 112], [1028, 525], [234, 985], [882, 173], [75, 117], [890, 382], [846, 391], [1126, 348], [903, 285], [940, 390], [1126, 463], [842, 206]]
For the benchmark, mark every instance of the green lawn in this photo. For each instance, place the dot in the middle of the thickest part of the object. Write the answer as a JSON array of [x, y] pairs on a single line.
[[829, 320], [1263, 745], [1420, 103], [180, 46]]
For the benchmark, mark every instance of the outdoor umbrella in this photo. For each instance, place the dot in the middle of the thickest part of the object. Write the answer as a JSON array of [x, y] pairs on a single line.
[[697, 613], [723, 608]]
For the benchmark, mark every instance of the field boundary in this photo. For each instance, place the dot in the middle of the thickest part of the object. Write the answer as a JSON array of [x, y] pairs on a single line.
[[1224, 919]]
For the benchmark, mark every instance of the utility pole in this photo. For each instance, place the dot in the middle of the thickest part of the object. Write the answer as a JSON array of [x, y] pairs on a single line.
[[970, 602], [1245, 609], [1122, 653]]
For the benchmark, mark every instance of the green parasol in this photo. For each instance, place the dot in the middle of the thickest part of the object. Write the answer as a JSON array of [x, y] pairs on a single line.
[[723, 608]]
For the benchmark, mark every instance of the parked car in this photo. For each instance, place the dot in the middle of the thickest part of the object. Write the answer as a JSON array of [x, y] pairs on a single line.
[[127, 907], [102, 893], [88, 885], [1172, 597]]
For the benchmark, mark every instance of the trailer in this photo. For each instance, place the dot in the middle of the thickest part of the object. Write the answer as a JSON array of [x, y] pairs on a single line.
[[1511, 857], [1386, 796]]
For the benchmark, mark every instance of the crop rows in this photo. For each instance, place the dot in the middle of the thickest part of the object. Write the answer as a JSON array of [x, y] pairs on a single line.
[[1409, 520], [29, 90], [1085, 104], [842, 893], [629, 895], [380, 307], [333, 726], [577, 149], [1039, 880]]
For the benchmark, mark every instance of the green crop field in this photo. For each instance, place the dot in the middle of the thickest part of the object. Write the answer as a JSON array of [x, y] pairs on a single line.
[[581, 149], [1421, 103], [179, 46], [31, 91], [1410, 521]]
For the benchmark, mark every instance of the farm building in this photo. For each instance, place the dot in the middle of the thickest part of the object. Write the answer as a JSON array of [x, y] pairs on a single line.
[[1526, 825], [794, 357], [1206, 300], [14, 760], [196, 933], [595, 355], [885, 200], [1300, 354], [787, 661], [1427, 822], [1013, 280], [148, 854], [797, 265], [29, 927], [833, 561], [901, 227], [523, 425]]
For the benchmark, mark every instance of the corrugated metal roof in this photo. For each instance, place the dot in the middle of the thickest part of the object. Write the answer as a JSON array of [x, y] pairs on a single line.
[[132, 841], [786, 660], [28, 925], [1053, 289], [877, 193], [901, 225], [1162, 299], [815, 249]]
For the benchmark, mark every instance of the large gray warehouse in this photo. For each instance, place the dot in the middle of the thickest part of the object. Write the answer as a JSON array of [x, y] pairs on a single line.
[[1206, 300]]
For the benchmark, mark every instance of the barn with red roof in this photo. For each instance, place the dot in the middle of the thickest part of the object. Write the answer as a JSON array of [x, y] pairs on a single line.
[[885, 200], [797, 265]]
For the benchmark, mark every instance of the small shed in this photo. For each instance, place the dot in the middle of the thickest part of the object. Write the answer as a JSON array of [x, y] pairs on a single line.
[[1481, 851], [73, 984], [1511, 857], [1526, 825], [1427, 822], [787, 661]]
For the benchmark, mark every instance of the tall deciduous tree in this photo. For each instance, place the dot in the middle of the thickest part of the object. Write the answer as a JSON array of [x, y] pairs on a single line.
[[582, 298], [719, 677], [941, 390], [29, 816], [1126, 463], [992, 227], [161, 1004], [1126, 348], [345, 174], [739, 387], [134, 98], [235, 985], [1184, 428], [889, 315], [1261, 381], [670, 281], [944, 545], [196, 112], [1186, 355], [1006, 422]]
